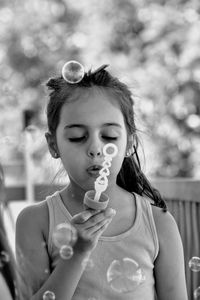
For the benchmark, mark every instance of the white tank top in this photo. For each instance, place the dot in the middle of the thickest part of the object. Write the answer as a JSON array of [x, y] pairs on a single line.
[[138, 243]]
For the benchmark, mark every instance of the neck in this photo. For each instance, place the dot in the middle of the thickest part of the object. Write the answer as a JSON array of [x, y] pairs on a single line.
[[73, 196]]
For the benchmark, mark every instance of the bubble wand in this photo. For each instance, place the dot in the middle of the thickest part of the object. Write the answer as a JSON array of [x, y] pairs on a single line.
[[101, 183], [96, 199]]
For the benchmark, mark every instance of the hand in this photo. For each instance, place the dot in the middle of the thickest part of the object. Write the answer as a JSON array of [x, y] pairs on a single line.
[[90, 224]]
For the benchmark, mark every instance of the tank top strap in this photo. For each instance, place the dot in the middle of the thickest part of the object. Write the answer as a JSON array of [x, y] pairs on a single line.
[[147, 214], [58, 213]]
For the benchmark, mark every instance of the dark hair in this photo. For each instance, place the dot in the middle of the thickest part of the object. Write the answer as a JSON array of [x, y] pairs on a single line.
[[130, 176]]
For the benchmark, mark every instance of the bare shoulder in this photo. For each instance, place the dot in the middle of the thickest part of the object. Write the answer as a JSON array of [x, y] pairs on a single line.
[[166, 225], [33, 217], [31, 240], [169, 265]]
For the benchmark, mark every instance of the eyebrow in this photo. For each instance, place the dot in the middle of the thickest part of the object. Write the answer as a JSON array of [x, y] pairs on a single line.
[[83, 126]]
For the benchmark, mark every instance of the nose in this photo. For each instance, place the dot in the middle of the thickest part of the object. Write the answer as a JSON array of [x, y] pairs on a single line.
[[95, 150]]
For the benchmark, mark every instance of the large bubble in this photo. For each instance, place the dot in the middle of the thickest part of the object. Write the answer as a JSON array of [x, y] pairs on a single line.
[[64, 235], [124, 275]]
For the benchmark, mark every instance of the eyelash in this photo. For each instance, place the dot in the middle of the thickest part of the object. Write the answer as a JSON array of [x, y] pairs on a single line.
[[80, 139], [76, 140]]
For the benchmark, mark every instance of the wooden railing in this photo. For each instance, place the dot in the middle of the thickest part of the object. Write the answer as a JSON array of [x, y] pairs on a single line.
[[183, 200]]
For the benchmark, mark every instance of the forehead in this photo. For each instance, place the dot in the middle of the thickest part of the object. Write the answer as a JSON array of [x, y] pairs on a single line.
[[94, 105]]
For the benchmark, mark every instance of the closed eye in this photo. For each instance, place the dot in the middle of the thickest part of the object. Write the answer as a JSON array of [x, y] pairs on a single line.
[[76, 140], [110, 138], [82, 138]]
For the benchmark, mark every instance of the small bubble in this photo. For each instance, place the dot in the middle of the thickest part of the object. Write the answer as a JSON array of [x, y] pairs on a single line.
[[66, 252], [46, 271], [64, 234], [194, 264], [44, 244], [48, 295], [197, 294], [124, 275], [88, 264]]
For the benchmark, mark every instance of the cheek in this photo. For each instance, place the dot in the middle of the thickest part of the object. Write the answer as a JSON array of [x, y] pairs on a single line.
[[118, 160], [70, 157], [72, 166]]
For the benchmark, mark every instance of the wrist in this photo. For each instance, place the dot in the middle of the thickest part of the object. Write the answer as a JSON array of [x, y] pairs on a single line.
[[82, 251]]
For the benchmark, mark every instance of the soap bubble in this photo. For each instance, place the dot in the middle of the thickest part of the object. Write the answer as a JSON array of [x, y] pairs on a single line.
[[46, 271], [124, 275], [64, 234], [66, 252], [197, 294], [88, 264], [194, 264], [73, 72], [48, 295], [44, 244]]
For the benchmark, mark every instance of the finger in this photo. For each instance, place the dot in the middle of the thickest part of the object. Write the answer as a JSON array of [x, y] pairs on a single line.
[[98, 218], [83, 216], [94, 229], [101, 229]]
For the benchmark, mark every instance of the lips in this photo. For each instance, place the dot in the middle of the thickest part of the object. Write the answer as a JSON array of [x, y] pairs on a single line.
[[94, 170]]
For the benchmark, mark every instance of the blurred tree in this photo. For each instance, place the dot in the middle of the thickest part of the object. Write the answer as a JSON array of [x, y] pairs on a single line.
[[160, 41], [35, 42], [152, 45]]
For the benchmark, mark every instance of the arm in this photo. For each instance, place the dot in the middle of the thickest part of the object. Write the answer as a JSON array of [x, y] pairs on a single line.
[[30, 232], [5, 293], [169, 265]]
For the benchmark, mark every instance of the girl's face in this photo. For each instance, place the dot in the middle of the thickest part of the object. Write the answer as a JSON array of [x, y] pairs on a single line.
[[85, 126]]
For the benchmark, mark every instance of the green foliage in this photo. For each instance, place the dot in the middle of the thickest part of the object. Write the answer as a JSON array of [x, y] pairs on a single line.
[[151, 45]]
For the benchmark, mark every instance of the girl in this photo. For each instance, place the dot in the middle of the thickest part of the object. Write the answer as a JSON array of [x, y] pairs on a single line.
[[7, 271], [84, 113], [8, 289]]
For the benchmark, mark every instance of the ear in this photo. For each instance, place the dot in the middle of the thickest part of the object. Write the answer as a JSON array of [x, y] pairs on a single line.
[[52, 145]]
